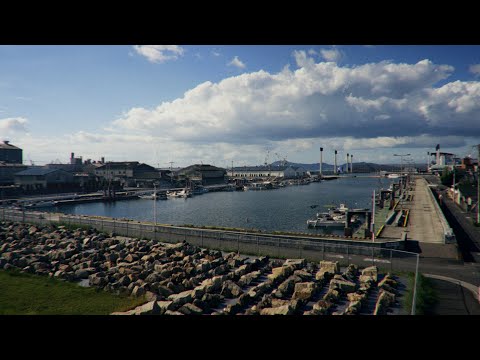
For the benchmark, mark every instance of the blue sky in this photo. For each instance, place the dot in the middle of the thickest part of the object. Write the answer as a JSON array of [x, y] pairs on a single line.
[[216, 104]]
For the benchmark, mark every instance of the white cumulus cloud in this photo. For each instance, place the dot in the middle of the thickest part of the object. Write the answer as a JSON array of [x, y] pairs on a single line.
[[237, 63], [475, 69], [333, 55], [159, 53], [13, 125]]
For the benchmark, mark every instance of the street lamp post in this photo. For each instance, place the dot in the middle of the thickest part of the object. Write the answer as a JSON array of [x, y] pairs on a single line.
[[401, 160]]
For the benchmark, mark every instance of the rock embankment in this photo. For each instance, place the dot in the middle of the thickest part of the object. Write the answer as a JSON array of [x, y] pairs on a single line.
[[181, 279]]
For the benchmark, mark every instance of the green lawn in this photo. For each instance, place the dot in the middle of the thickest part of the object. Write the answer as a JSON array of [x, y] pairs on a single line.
[[426, 295], [27, 294]]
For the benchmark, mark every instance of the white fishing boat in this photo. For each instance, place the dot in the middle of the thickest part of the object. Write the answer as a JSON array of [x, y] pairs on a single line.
[[326, 220], [200, 190], [184, 193], [157, 196], [39, 204]]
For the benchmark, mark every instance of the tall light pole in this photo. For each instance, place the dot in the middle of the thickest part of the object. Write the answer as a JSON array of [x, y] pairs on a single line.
[[401, 160], [335, 162], [321, 161], [428, 160]]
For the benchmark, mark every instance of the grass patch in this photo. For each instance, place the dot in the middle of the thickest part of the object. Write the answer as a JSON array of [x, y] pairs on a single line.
[[426, 295], [27, 294]]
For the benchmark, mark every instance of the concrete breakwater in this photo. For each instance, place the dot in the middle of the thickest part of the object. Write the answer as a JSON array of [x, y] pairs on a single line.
[[185, 279]]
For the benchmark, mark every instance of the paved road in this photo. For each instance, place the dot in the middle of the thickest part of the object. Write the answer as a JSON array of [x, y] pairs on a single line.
[[454, 299]]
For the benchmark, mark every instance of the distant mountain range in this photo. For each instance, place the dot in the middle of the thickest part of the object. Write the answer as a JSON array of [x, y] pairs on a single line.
[[357, 166]]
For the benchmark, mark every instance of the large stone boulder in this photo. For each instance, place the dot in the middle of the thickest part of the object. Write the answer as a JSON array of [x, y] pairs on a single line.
[[353, 308], [170, 312], [138, 291], [81, 273], [371, 271], [287, 287], [248, 278], [332, 296], [294, 304], [280, 273], [321, 307], [327, 269], [150, 308], [190, 309], [231, 290], [353, 297], [97, 280], [165, 305], [181, 298], [233, 308], [388, 280], [304, 275], [259, 290], [343, 285], [296, 263], [214, 284], [384, 300], [304, 291], [281, 310]]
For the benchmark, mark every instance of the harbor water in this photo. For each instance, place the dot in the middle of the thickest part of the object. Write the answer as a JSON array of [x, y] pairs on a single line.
[[284, 209]]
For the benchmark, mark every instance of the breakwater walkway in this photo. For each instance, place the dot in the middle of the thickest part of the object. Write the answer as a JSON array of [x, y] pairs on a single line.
[[426, 223]]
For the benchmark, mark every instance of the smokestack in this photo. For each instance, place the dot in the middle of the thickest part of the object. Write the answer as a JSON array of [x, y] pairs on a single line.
[[437, 161], [347, 169], [321, 161], [335, 166], [72, 155], [351, 164], [103, 160]]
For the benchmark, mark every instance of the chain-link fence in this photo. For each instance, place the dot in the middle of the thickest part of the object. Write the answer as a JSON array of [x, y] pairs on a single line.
[[257, 244]]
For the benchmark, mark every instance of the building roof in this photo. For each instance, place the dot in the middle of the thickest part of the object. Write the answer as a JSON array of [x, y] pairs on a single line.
[[201, 167], [7, 145], [37, 172], [119, 165], [5, 164], [260, 168]]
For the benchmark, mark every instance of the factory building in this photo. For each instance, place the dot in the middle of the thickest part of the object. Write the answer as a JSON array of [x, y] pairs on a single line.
[[203, 173], [287, 172]]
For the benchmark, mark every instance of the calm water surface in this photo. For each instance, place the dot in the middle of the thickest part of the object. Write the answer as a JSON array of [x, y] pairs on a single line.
[[285, 209]]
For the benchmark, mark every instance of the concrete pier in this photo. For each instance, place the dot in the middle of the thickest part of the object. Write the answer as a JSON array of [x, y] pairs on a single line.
[[425, 221]]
